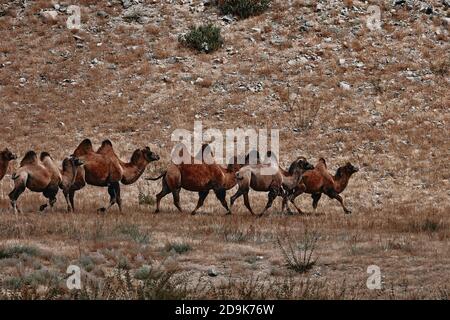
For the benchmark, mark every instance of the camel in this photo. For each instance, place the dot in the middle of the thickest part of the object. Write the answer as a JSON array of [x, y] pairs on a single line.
[[42, 175], [104, 169], [275, 181], [319, 180], [5, 157], [201, 178]]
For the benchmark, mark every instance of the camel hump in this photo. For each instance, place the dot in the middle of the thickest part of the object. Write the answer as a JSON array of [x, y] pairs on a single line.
[[44, 155], [106, 147], [322, 162], [107, 142], [29, 158], [84, 148]]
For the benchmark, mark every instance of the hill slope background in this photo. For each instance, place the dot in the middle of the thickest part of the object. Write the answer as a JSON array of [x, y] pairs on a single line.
[[311, 69]]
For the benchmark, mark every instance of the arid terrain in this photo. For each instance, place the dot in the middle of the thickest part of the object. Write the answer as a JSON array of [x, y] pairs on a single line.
[[312, 69]]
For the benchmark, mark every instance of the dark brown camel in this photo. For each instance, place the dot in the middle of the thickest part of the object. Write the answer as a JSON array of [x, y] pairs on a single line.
[[104, 169], [201, 178], [319, 180], [5, 157]]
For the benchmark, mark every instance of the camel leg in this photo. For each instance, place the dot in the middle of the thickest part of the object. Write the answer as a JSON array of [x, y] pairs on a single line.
[[71, 199], [66, 196], [286, 205], [113, 189], [294, 195], [235, 196], [165, 191], [295, 206], [335, 195], [221, 194], [52, 202], [316, 198], [14, 195], [271, 196], [247, 203], [118, 197], [176, 199], [50, 194], [201, 199]]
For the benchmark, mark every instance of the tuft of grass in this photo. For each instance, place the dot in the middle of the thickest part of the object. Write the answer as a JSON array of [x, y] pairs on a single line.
[[205, 38], [15, 251], [298, 254], [146, 198], [427, 225], [133, 232], [243, 8], [178, 247]]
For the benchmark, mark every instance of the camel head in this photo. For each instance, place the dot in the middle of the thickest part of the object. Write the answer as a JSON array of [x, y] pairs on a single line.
[[7, 155], [347, 170], [300, 164], [71, 162], [149, 155]]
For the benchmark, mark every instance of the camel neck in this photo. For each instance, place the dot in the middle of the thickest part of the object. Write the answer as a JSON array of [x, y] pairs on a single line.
[[341, 182], [3, 167], [132, 172]]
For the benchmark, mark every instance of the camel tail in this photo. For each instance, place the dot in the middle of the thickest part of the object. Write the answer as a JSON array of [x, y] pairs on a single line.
[[157, 178]]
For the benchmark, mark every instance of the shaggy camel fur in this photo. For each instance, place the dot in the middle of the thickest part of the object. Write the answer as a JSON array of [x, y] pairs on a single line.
[[201, 178], [104, 169], [259, 178], [5, 157], [319, 180], [42, 175]]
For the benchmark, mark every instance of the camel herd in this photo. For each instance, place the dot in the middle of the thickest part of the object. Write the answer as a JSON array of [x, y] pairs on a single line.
[[103, 168]]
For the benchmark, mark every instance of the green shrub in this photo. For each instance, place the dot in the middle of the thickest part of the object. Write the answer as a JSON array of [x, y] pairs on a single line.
[[204, 38], [243, 8]]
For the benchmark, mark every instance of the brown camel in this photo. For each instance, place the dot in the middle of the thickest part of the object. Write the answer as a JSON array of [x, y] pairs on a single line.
[[319, 180], [42, 175], [275, 181], [5, 157], [104, 169], [201, 178]]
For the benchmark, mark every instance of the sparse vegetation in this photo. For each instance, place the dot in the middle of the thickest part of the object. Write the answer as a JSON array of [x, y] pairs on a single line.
[[133, 232], [205, 38], [17, 250], [298, 254], [243, 8], [178, 247]]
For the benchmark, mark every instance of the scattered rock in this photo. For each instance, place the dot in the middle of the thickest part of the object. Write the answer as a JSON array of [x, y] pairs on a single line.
[[344, 85], [227, 18], [212, 272], [51, 15], [102, 14]]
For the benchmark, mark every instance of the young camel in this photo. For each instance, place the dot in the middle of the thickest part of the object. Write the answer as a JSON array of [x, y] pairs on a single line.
[[42, 175], [269, 177], [319, 180], [104, 169], [201, 178], [5, 157]]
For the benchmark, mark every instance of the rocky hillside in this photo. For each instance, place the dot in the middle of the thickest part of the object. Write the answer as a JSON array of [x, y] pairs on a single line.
[[313, 69]]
